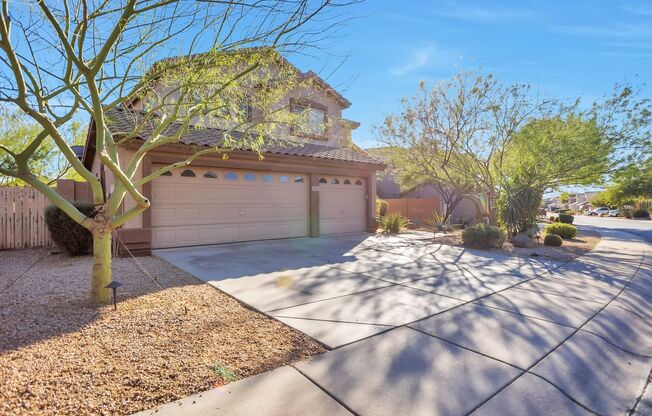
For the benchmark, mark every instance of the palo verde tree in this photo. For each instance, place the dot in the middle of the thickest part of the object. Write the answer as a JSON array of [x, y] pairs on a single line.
[[65, 60], [454, 134]]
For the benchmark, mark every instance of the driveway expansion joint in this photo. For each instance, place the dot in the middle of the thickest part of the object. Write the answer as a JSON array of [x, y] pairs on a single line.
[[528, 370]]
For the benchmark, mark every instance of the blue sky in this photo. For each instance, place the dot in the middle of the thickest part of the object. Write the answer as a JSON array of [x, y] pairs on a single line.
[[564, 49]]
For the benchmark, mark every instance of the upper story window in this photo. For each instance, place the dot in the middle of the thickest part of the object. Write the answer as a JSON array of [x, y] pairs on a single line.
[[312, 121]]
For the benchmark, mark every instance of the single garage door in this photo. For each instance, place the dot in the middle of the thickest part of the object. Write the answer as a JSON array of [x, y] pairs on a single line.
[[341, 205], [196, 205]]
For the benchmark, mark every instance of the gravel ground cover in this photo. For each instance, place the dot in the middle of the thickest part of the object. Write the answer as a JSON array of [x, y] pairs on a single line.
[[572, 248], [61, 356]]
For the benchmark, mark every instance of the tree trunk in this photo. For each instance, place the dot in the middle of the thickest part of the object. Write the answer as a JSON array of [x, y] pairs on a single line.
[[101, 268]]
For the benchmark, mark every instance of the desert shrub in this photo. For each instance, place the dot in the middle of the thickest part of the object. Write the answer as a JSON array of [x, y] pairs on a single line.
[[627, 212], [393, 223], [518, 205], [561, 229], [566, 218], [552, 240], [69, 236], [641, 213], [437, 222], [381, 207], [483, 236]]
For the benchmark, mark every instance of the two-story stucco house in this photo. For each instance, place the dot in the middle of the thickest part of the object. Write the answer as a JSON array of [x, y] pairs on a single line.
[[321, 186]]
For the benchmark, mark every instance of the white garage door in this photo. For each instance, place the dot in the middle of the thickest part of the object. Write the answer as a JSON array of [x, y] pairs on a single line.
[[341, 205], [197, 205]]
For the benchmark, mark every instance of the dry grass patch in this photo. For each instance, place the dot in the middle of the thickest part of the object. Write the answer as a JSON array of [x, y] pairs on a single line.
[[61, 356]]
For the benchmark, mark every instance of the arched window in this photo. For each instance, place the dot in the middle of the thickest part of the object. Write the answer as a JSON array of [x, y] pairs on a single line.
[[249, 177], [210, 175], [347, 182], [188, 173], [268, 178], [298, 179], [335, 181], [323, 180], [168, 173], [358, 182], [231, 176], [283, 179]]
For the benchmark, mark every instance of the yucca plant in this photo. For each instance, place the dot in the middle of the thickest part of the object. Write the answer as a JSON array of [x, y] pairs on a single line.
[[393, 223]]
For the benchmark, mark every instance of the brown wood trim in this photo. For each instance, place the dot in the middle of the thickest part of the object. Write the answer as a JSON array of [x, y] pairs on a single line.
[[180, 151], [147, 192], [370, 205], [266, 164], [314, 205]]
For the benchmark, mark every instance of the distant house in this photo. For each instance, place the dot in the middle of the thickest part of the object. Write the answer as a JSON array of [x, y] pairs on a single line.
[[576, 202]]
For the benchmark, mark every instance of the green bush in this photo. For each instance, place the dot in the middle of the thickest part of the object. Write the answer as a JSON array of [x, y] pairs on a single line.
[[69, 236], [552, 240], [381, 207], [561, 229], [393, 223], [641, 213], [566, 218], [483, 236]]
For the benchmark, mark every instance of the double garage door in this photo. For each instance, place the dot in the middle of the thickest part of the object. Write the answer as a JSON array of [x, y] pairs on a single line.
[[195, 205]]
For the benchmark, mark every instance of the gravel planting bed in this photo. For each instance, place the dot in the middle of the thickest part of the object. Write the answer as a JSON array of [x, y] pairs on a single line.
[[572, 248], [61, 356]]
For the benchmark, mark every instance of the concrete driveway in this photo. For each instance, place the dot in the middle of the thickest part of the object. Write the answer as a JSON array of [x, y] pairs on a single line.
[[422, 329], [346, 288]]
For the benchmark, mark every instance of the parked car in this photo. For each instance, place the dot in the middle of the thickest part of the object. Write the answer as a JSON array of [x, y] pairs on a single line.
[[600, 211], [614, 212]]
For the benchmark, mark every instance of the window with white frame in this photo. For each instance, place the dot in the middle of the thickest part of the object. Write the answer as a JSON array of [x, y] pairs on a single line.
[[312, 120]]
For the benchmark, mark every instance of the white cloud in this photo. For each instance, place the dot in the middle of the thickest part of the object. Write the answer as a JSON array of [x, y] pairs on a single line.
[[425, 57], [481, 14], [619, 31]]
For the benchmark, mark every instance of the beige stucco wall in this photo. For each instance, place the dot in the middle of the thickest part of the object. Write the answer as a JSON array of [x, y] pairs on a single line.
[[338, 134]]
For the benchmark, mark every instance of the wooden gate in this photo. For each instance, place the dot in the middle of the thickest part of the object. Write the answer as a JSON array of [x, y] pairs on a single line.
[[21, 218]]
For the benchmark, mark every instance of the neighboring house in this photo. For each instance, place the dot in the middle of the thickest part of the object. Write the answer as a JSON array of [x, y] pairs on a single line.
[[319, 187], [469, 210], [576, 202]]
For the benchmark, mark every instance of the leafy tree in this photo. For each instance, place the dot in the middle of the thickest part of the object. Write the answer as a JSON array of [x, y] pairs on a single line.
[[564, 197], [61, 61], [16, 131], [455, 135]]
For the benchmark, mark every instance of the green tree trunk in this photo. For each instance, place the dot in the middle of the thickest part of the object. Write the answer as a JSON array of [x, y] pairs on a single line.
[[101, 275]]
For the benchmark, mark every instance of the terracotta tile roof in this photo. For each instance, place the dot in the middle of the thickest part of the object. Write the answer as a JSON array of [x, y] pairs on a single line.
[[123, 121]]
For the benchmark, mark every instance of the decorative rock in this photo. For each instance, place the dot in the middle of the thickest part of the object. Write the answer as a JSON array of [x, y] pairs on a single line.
[[522, 240]]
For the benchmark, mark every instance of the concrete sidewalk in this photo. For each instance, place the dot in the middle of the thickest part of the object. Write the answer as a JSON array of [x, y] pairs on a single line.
[[566, 340]]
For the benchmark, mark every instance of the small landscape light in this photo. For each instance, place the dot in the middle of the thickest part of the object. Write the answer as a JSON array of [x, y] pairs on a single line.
[[114, 285]]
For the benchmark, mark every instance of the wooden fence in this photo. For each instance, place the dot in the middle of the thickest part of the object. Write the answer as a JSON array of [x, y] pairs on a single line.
[[416, 209], [21, 218]]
